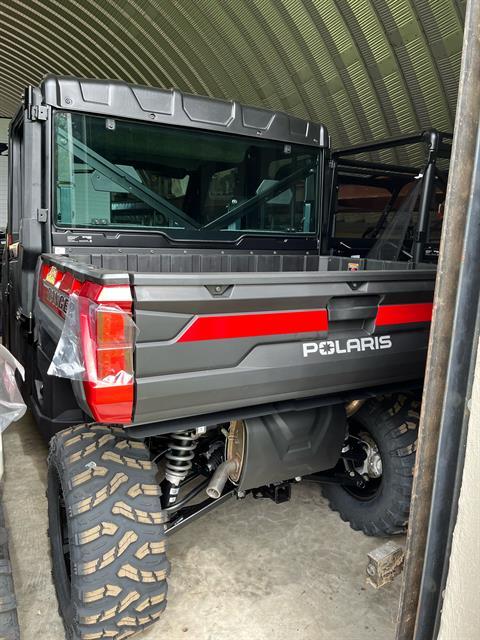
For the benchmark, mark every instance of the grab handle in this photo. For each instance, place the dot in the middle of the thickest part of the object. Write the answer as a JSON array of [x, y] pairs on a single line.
[[353, 308]]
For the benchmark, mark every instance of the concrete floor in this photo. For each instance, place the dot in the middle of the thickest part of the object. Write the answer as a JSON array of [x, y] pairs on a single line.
[[249, 570]]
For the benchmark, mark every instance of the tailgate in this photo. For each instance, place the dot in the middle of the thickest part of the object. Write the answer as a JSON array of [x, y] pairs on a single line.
[[214, 342]]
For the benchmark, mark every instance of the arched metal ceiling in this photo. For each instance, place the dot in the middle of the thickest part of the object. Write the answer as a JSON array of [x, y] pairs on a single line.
[[366, 68]]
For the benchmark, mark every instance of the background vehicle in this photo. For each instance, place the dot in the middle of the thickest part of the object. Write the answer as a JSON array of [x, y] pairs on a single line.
[[12, 408], [164, 261]]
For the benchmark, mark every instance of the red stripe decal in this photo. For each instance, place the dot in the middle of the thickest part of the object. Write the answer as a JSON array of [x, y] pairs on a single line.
[[404, 313], [248, 325]]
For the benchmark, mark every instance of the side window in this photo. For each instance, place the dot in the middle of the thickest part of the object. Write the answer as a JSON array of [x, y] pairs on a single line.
[[288, 211], [93, 199], [15, 161], [292, 209], [222, 184], [125, 208], [359, 208], [224, 192]]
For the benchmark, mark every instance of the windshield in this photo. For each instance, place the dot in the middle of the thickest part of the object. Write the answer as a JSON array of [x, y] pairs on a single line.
[[187, 183]]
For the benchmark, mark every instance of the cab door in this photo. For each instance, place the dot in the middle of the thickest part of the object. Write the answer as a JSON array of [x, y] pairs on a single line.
[[10, 263]]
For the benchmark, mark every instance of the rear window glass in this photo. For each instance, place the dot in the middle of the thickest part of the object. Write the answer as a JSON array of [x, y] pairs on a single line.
[[134, 175]]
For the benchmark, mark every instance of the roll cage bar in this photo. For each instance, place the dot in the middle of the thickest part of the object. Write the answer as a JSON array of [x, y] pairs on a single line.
[[437, 145]]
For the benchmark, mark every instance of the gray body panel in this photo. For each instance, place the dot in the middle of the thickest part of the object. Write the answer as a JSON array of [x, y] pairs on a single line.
[[113, 98], [177, 377]]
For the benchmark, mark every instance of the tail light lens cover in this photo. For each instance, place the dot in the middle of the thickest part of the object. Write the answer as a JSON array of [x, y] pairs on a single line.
[[107, 339], [115, 335], [97, 342]]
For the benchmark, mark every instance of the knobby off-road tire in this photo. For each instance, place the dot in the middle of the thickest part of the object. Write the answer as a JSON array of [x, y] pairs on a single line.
[[383, 508], [102, 493]]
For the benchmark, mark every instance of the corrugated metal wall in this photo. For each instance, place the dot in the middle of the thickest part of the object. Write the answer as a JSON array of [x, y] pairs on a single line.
[[3, 174], [366, 68]]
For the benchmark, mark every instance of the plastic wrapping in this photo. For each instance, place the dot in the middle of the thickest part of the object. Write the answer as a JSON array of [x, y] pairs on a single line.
[[96, 344], [67, 361], [390, 242], [12, 407]]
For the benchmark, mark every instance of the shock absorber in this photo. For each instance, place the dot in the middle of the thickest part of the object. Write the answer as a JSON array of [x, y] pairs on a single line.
[[181, 451]]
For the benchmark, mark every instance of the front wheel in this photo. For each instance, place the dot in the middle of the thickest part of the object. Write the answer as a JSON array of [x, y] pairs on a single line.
[[386, 430], [106, 533]]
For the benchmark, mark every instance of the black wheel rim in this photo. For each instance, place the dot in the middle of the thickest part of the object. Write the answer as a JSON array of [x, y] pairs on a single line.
[[366, 493], [372, 486]]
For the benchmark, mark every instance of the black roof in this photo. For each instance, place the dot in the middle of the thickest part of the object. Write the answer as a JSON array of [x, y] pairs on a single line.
[[120, 99]]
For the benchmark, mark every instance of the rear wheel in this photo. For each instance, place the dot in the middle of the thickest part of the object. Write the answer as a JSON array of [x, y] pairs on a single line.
[[106, 533], [386, 430]]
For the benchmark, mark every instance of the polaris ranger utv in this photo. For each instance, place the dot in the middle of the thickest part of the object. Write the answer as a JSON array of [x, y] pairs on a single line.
[[184, 338]]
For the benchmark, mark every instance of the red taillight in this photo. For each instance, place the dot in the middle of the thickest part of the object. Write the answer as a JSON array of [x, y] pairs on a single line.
[[107, 341], [106, 337], [114, 344]]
